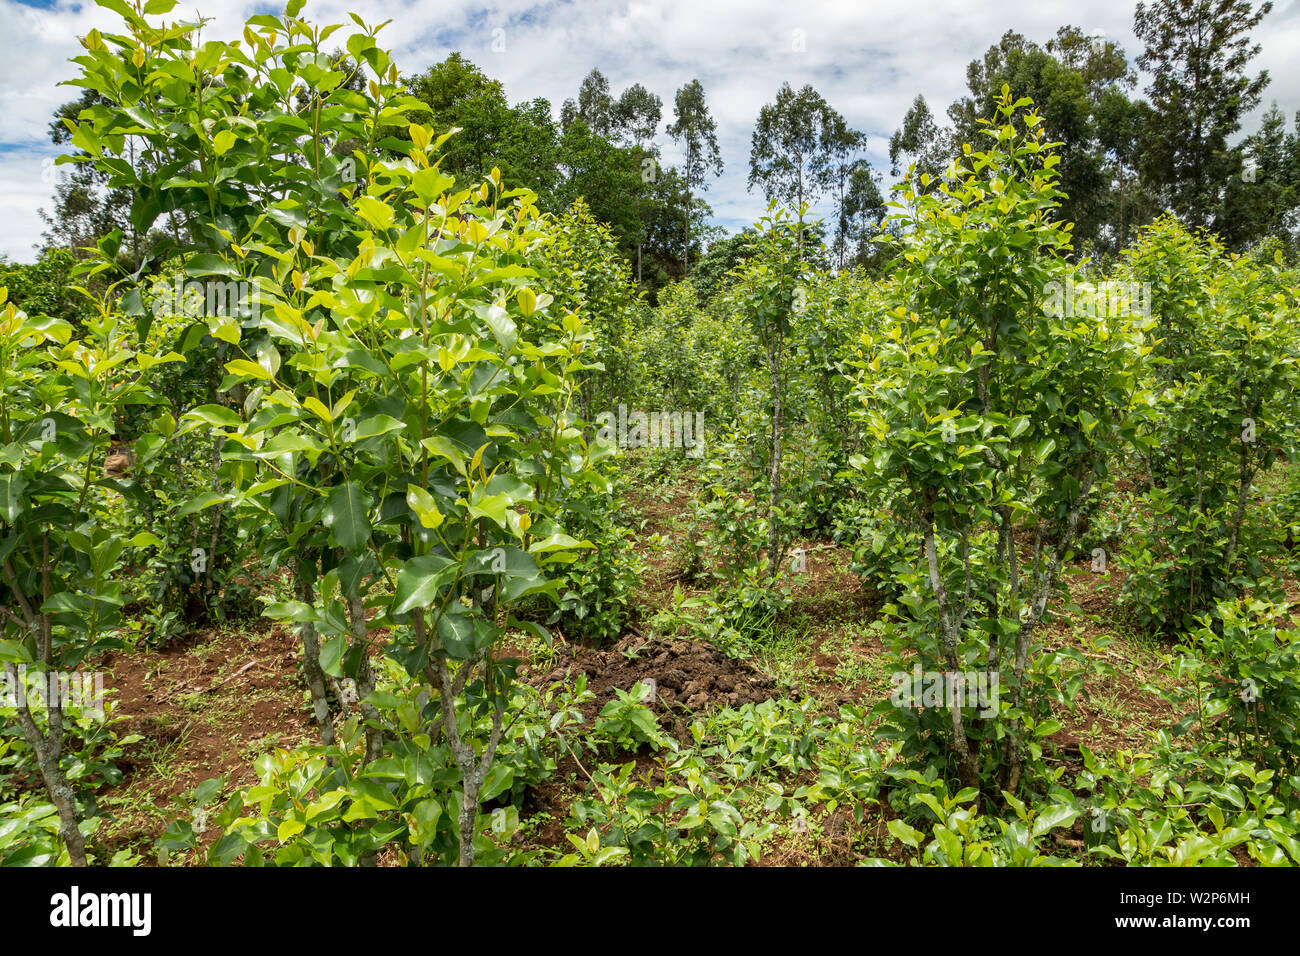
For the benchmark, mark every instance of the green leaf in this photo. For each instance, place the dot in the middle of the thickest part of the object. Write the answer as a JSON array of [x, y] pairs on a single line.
[[1047, 727], [209, 264], [557, 542], [427, 813], [421, 581], [245, 367], [217, 415], [13, 502], [377, 425], [502, 326], [346, 514], [444, 448], [950, 843], [378, 214], [205, 792], [331, 654], [430, 182], [368, 799], [464, 634], [199, 502], [905, 833], [295, 611], [289, 829], [492, 507], [1058, 815], [223, 141], [325, 803], [317, 408], [498, 780], [424, 506]]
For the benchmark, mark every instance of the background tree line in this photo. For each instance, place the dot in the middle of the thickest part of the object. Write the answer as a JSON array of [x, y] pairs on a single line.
[[1128, 153], [1128, 157]]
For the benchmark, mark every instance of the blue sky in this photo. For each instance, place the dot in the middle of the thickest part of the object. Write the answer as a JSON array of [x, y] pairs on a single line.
[[868, 58]]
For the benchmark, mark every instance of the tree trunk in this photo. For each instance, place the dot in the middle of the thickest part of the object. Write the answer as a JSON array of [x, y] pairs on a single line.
[[774, 466], [473, 769], [967, 768], [799, 236], [1123, 230], [48, 747], [365, 678], [1013, 753], [365, 687], [1243, 496], [304, 592], [686, 260]]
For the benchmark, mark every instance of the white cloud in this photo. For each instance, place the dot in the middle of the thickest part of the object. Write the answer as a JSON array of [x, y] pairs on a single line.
[[868, 59]]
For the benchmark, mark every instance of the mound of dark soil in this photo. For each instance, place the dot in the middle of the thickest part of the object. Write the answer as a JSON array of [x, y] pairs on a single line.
[[689, 676]]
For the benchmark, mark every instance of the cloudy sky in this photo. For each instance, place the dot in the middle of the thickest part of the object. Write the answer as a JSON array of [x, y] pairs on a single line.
[[868, 58]]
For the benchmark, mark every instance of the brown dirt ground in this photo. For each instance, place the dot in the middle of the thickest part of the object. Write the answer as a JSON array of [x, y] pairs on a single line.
[[210, 704], [205, 707]]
